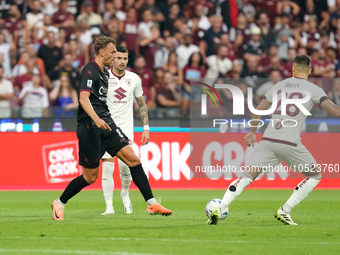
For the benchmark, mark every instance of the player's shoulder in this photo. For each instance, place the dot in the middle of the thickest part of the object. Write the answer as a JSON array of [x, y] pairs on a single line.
[[90, 69], [130, 74]]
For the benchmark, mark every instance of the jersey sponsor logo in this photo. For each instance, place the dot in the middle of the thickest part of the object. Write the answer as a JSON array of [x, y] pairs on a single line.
[[120, 93], [89, 83]]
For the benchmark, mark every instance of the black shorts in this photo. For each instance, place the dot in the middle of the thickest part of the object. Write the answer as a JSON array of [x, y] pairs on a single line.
[[93, 142]]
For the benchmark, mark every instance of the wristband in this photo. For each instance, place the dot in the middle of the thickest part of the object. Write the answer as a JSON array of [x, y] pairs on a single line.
[[146, 127]]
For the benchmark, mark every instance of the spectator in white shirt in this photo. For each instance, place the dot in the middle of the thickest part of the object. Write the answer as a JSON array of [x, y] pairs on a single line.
[[6, 94], [34, 99], [185, 50], [219, 65], [162, 55]]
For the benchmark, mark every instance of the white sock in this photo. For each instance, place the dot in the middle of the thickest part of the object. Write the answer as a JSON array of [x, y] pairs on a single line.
[[235, 189], [125, 176], [151, 201], [301, 192], [108, 183], [60, 203]]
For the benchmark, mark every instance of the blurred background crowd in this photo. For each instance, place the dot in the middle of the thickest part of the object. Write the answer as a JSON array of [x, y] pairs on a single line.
[[45, 43]]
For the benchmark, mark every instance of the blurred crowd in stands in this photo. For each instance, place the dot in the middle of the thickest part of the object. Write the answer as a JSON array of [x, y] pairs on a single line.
[[45, 43]]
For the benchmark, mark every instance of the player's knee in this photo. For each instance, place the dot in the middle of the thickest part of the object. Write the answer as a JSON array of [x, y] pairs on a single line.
[[91, 178], [135, 161]]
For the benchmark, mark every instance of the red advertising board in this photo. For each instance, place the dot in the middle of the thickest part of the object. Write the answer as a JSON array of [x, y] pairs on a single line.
[[48, 160]]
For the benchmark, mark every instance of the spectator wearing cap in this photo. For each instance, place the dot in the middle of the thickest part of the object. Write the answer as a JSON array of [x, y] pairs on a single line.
[[50, 53], [219, 65], [34, 99], [241, 28], [156, 14], [6, 94], [309, 11], [93, 19], [130, 29], [254, 46], [35, 16], [185, 50], [282, 35], [204, 22], [63, 18], [267, 33]]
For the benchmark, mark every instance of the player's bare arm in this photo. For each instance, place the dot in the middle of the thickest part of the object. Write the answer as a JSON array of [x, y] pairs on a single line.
[[330, 107], [86, 104], [143, 112], [250, 138]]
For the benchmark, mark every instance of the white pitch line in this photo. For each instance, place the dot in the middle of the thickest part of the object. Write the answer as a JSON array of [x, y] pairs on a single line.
[[74, 252], [132, 239], [159, 240]]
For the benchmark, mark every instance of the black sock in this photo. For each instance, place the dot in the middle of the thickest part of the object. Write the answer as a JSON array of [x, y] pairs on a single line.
[[76, 185], [141, 181]]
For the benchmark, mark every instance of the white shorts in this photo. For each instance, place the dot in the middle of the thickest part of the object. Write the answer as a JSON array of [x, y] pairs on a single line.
[[269, 154], [129, 135]]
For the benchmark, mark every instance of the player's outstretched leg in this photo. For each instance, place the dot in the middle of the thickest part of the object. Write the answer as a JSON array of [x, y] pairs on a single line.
[[125, 177], [108, 186], [300, 193], [73, 188], [127, 155], [234, 189]]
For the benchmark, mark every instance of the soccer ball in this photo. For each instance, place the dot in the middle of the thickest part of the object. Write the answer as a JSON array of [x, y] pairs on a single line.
[[212, 205]]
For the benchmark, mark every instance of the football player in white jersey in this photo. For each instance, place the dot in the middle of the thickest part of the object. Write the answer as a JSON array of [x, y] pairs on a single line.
[[123, 87], [281, 141]]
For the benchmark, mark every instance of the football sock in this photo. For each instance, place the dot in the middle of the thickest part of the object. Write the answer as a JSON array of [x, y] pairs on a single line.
[[108, 183], [151, 201], [125, 176], [76, 185], [301, 192], [235, 189], [141, 181]]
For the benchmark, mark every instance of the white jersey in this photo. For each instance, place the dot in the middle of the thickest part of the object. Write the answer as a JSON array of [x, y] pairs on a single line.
[[120, 96], [290, 129]]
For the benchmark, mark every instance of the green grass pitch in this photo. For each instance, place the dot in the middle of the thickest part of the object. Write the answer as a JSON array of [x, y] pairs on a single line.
[[26, 225]]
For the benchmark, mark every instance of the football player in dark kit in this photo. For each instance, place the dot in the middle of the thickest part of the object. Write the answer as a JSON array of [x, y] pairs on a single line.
[[98, 133]]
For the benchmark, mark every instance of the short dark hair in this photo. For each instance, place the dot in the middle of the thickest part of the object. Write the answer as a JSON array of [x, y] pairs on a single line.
[[102, 41], [122, 49], [302, 63]]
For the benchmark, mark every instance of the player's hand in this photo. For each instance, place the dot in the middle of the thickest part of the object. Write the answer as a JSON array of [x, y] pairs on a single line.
[[145, 137], [250, 139], [102, 124]]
